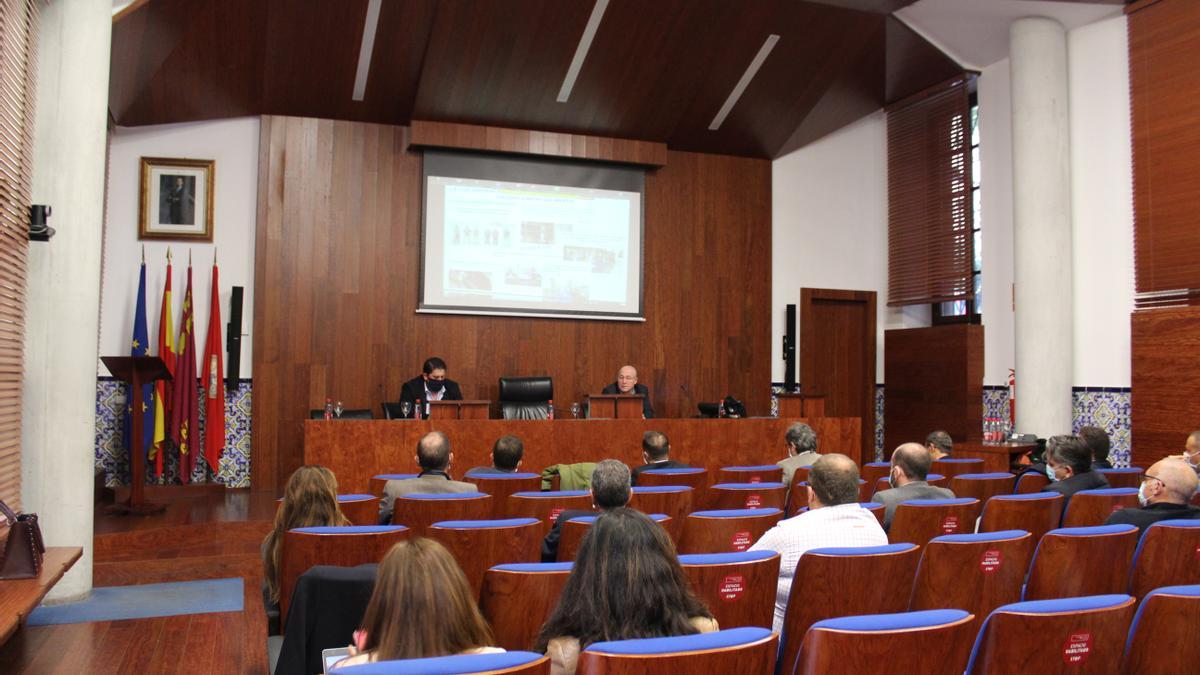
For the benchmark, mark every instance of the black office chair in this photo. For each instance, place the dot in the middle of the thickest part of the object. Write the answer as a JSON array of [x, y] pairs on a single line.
[[526, 398], [356, 414], [391, 411]]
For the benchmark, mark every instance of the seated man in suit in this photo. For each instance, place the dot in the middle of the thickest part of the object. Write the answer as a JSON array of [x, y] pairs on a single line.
[[434, 457], [910, 466], [506, 456], [1069, 467], [610, 490], [656, 450], [833, 519], [430, 385], [627, 384], [1167, 487], [801, 443], [939, 444], [1098, 442]]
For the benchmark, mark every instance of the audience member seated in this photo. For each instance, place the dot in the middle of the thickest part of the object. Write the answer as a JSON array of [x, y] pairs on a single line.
[[834, 519], [656, 450], [422, 606], [309, 500], [939, 444], [910, 466], [626, 584], [610, 490], [627, 384], [1098, 442], [434, 458], [801, 443], [1167, 487], [430, 385], [1069, 468], [1191, 451], [506, 457]]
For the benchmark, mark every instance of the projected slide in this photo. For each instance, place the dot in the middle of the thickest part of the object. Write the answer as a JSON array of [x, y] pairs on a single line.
[[506, 247]]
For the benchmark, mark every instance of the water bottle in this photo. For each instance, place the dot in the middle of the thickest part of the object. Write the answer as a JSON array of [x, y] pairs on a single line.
[[417, 410], [550, 409], [427, 406], [328, 409], [337, 410]]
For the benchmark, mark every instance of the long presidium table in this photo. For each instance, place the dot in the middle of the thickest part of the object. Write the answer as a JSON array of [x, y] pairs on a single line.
[[357, 449]]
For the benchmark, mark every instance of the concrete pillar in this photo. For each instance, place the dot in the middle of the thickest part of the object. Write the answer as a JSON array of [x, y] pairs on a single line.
[[63, 302], [1041, 226]]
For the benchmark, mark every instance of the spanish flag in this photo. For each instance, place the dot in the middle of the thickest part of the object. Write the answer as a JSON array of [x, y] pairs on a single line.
[[162, 390]]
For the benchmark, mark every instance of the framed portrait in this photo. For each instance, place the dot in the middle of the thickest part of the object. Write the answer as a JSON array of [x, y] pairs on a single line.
[[176, 199]]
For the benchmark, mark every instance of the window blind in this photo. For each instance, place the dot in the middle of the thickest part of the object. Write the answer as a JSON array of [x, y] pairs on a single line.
[[18, 67], [930, 243]]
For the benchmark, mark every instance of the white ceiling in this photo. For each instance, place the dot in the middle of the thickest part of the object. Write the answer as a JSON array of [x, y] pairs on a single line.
[[975, 32]]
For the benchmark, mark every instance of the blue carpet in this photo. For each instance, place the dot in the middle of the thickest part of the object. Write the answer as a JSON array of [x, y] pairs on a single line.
[[112, 603]]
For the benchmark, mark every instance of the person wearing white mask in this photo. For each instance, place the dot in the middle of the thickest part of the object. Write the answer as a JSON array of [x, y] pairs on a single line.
[[1191, 451], [1166, 488], [1069, 467]]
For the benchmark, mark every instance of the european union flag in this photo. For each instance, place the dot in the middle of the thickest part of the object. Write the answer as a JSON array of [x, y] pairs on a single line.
[[140, 347]]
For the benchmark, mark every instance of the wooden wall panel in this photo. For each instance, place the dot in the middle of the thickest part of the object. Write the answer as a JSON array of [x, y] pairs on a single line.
[[1166, 394], [934, 381], [337, 267], [524, 142]]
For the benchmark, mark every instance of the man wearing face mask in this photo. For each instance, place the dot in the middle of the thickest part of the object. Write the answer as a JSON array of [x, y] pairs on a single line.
[[430, 385], [1166, 489], [1191, 452], [1069, 468], [910, 466]]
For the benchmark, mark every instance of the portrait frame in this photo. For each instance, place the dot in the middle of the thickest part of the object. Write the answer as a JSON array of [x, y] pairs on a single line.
[[175, 199]]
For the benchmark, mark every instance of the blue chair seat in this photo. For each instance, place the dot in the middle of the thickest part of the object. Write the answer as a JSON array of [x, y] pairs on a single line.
[[552, 493], [445, 665], [535, 567], [675, 472], [502, 476], [864, 550], [747, 486], [350, 529], [724, 558], [1003, 535], [756, 467], [445, 495], [898, 621], [656, 517], [355, 497], [735, 513], [485, 524], [682, 643], [661, 489]]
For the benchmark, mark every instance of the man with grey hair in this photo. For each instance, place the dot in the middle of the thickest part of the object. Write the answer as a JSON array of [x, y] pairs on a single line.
[[939, 444], [434, 458], [1069, 466], [1167, 487], [910, 467], [610, 490], [801, 443], [834, 519]]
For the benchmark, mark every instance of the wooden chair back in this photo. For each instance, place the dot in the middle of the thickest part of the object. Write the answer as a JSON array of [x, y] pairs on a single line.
[[846, 582], [1128, 477], [377, 482], [934, 641], [879, 510], [1167, 555], [762, 473], [672, 500], [360, 509], [972, 572], [726, 531], [347, 546], [1030, 482], [518, 598], [1036, 513], [956, 466], [501, 485], [1085, 635], [694, 477], [572, 533], [1162, 638], [797, 495], [982, 486], [935, 479], [545, 506], [737, 650], [478, 545], [738, 588], [725, 496], [1077, 561], [419, 511], [1088, 508], [873, 471], [919, 520]]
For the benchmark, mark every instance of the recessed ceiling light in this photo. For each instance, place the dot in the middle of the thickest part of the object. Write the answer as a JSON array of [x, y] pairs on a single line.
[[740, 88], [366, 49], [585, 43]]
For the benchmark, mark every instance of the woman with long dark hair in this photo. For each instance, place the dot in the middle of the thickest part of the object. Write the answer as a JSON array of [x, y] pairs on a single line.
[[626, 584]]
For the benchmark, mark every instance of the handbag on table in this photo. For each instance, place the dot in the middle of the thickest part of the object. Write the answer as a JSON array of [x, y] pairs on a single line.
[[23, 550]]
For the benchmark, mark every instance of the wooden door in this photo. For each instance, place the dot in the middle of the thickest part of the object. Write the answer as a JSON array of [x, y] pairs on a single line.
[[837, 356]]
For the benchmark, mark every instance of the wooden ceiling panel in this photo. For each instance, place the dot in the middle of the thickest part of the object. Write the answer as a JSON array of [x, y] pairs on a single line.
[[912, 63]]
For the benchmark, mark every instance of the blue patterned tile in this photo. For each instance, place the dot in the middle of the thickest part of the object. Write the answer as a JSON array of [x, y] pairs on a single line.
[[1109, 409], [879, 423]]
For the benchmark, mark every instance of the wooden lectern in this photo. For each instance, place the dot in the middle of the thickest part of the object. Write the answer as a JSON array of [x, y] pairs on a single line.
[[615, 406], [459, 410], [137, 371], [801, 405]]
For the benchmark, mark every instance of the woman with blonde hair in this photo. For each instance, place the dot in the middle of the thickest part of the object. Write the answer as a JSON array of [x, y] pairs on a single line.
[[626, 584], [422, 606], [309, 500]]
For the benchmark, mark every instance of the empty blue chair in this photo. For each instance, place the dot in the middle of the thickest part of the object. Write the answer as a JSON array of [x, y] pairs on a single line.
[[1047, 635], [1077, 561], [726, 530], [1162, 637], [928, 642], [743, 650], [1130, 477], [738, 588], [518, 598], [511, 663], [1165, 556]]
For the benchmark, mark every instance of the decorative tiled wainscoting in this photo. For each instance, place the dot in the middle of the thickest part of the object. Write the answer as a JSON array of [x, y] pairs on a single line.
[[111, 456], [1104, 407]]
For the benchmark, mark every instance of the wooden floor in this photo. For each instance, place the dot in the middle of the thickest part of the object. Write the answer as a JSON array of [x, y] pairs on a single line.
[[206, 533]]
